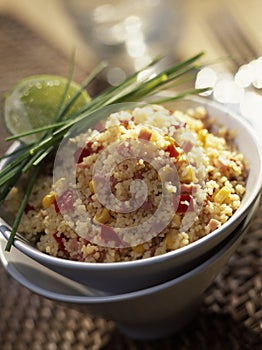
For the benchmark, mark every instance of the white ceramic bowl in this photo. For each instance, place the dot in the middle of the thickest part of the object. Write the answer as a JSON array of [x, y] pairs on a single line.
[[148, 313], [130, 276]]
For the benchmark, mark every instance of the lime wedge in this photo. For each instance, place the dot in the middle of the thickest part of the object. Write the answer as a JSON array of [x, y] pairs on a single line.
[[34, 102]]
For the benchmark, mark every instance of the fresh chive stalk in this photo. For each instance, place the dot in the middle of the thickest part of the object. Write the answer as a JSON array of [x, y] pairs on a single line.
[[29, 157], [21, 209]]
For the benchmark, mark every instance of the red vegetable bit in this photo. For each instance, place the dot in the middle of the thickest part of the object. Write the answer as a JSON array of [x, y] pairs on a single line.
[[147, 205], [64, 202], [83, 152], [113, 182], [138, 174], [125, 123], [171, 149], [60, 241], [86, 151], [28, 207], [145, 134], [109, 235], [183, 203], [80, 154]]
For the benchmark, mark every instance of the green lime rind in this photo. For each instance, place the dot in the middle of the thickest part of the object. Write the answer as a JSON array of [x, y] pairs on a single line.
[[35, 101]]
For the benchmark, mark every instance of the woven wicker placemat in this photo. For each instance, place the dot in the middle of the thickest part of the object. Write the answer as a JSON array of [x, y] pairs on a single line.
[[230, 317]]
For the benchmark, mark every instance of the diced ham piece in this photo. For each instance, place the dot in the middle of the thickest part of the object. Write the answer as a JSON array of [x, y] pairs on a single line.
[[188, 188], [109, 235], [213, 225], [113, 181], [64, 202], [145, 134], [185, 188], [147, 205], [187, 146]]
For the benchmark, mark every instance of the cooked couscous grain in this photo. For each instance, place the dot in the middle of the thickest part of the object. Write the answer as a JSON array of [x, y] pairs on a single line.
[[152, 181]]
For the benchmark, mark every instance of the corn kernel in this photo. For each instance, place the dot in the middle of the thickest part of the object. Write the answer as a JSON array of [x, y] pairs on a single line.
[[154, 137], [102, 217], [168, 139], [139, 249], [202, 134], [170, 240], [222, 195], [214, 141], [48, 200], [92, 186], [188, 174], [200, 112], [176, 221]]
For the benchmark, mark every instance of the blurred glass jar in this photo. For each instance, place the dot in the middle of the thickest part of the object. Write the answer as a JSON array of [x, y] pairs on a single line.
[[128, 34]]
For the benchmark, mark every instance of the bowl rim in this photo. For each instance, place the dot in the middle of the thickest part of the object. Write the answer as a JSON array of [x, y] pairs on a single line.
[[234, 238], [40, 256]]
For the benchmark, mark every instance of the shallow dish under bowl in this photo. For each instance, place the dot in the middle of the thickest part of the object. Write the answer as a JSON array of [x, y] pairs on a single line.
[[145, 314]]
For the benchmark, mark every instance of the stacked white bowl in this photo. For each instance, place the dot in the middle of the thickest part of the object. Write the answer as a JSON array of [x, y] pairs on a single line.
[[153, 297]]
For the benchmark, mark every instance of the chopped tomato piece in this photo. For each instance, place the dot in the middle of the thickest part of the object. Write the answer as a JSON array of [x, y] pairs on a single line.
[[80, 154], [86, 151], [171, 149], [28, 207], [125, 123], [145, 134], [64, 202], [183, 203], [60, 241]]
